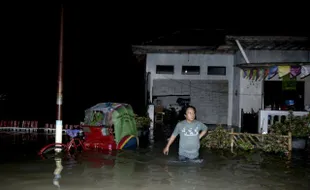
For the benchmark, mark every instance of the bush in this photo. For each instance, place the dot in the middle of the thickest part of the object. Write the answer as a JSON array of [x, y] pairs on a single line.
[[142, 121], [218, 138], [298, 126]]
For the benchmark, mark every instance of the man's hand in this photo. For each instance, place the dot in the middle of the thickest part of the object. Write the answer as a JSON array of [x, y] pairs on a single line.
[[166, 150]]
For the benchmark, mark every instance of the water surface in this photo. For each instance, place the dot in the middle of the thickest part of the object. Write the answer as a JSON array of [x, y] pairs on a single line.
[[147, 168]]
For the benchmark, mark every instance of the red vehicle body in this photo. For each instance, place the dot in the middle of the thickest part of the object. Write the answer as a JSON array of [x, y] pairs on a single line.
[[110, 126]]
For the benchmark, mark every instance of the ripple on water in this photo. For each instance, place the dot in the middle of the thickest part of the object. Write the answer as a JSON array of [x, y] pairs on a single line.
[[150, 169]]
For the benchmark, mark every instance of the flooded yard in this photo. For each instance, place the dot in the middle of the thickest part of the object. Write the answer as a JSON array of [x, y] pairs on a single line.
[[147, 168]]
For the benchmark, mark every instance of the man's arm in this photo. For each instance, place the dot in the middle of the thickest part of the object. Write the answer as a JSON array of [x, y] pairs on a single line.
[[171, 140], [202, 134], [204, 129], [174, 134], [166, 149]]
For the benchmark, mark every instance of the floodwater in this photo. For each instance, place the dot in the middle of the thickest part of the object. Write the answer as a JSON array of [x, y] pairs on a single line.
[[147, 168]]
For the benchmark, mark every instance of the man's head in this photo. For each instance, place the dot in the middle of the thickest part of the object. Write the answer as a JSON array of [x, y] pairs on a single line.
[[190, 113]]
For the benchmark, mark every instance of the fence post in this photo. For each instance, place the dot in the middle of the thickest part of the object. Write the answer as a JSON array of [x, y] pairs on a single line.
[[289, 141], [232, 140]]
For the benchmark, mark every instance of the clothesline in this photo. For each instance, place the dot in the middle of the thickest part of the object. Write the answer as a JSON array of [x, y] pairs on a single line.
[[282, 70]]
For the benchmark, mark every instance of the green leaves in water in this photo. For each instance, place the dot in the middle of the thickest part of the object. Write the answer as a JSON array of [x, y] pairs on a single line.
[[218, 138]]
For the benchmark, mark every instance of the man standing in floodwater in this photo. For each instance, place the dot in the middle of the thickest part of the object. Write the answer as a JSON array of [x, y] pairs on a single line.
[[189, 131]]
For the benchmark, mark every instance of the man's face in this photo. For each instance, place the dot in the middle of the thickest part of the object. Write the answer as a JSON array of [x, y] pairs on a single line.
[[190, 114]]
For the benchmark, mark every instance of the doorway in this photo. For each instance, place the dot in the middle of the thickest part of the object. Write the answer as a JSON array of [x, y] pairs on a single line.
[[276, 97]]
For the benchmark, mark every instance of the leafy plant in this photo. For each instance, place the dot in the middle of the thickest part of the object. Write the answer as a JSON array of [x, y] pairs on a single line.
[[299, 126], [142, 121], [274, 143], [245, 145], [218, 138]]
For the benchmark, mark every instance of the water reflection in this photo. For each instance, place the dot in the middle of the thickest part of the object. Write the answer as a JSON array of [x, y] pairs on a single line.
[[57, 171], [147, 168]]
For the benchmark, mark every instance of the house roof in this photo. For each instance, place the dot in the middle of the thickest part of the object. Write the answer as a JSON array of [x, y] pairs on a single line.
[[269, 42], [143, 49], [186, 37], [199, 41]]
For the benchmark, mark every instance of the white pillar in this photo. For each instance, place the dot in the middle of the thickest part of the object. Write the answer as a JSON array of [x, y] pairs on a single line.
[[58, 135]]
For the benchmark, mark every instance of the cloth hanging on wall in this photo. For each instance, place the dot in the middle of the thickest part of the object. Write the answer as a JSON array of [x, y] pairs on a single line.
[[295, 71], [305, 71], [269, 73], [283, 70]]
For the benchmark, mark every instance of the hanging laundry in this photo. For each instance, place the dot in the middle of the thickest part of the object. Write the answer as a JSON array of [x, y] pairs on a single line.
[[272, 72], [283, 70], [305, 71], [246, 73], [266, 73], [243, 73], [251, 74], [260, 74], [295, 71], [254, 74]]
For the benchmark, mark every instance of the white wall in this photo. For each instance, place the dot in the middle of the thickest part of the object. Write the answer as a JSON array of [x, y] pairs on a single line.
[[178, 60], [203, 60]]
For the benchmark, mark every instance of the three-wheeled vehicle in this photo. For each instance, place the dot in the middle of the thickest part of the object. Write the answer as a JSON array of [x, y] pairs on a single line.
[[110, 126], [106, 126]]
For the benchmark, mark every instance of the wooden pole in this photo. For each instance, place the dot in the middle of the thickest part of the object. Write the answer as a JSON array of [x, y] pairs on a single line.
[[232, 140], [58, 135]]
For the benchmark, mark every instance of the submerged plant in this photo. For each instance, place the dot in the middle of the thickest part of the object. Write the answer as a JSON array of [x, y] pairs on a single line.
[[274, 143], [299, 126], [218, 138], [245, 145]]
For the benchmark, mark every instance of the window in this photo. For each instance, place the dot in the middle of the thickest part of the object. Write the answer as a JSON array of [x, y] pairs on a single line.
[[190, 70], [213, 70], [164, 69]]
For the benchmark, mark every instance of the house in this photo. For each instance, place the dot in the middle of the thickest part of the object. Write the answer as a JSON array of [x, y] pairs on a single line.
[[213, 78]]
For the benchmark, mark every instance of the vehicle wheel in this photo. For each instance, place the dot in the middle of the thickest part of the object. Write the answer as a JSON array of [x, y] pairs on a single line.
[[51, 148]]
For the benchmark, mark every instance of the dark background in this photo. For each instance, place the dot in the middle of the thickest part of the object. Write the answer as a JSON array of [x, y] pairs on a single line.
[[99, 65]]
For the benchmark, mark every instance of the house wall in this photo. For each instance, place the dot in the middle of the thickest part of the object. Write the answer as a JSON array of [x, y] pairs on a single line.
[[251, 92], [207, 92], [242, 93]]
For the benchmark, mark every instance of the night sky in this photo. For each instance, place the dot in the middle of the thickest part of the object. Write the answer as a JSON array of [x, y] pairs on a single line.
[[98, 62]]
